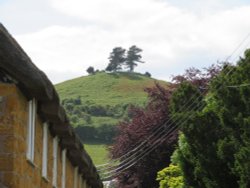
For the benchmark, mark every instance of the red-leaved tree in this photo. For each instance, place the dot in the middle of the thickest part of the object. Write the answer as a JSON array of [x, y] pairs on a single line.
[[144, 144], [144, 130]]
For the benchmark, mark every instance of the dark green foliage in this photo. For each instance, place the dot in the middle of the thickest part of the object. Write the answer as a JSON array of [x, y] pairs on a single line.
[[133, 56], [90, 70], [103, 133], [116, 59], [184, 93], [215, 147], [147, 74], [81, 114]]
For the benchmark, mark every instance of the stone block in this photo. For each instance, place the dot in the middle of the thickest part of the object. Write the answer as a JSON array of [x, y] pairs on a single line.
[[6, 162], [8, 179]]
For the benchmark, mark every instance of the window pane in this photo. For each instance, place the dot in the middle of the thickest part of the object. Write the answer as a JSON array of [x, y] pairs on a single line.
[[55, 146], [75, 177], [31, 130], [45, 150], [63, 167]]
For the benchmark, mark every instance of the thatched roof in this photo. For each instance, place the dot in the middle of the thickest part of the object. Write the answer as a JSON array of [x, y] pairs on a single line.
[[35, 84]]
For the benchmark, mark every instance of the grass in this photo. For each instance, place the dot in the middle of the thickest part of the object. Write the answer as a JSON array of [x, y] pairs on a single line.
[[108, 89], [97, 151]]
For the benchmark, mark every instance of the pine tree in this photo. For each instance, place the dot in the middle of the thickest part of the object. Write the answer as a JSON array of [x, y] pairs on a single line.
[[133, 56], [116, 59]]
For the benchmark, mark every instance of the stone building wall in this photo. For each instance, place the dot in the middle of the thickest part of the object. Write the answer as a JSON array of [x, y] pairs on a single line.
[[15, 170]]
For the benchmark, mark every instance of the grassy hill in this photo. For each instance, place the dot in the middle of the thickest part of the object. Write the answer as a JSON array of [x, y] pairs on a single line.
[[103, 98], [96, 103], [108, 89]]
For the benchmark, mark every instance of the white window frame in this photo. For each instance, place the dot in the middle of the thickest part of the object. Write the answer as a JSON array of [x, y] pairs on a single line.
[[75, 177], [84, 183], [64, 152], [45, 150], [55, 158], [80, 181], [31, 130]]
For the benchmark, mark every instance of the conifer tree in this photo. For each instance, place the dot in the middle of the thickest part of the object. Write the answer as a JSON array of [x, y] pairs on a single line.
[[133, 56], [216, 134], [116, 59]]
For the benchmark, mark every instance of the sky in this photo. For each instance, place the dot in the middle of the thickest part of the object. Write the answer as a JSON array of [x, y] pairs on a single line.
[[64, 37]]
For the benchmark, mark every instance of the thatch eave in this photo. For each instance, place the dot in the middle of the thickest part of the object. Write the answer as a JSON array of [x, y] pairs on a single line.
[[33, 83]]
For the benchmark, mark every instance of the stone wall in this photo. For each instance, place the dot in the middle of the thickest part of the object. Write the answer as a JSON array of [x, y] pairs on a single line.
[[15, 170]]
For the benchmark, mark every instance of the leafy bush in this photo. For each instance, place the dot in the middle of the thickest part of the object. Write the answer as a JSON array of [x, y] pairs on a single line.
[[170, 177]]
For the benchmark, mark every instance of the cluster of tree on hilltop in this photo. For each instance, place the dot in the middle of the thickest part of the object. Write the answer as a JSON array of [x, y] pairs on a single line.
[[120, 59], [211, 125]]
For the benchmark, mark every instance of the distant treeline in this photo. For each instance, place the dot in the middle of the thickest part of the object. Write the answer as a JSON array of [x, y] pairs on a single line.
[[83, 116]]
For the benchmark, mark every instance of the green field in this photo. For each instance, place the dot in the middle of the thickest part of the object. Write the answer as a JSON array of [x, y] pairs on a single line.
[[97, 151]]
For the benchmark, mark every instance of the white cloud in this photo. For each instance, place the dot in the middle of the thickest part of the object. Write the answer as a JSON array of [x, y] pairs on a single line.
[[172, 38], [114, 12]]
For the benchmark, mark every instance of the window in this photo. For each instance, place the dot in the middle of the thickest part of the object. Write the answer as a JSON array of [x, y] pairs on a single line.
[[31, 130], [80, 181], [63, 167], [84, 184], [75, 177], [2, 105], [45, 150], [55, 148]]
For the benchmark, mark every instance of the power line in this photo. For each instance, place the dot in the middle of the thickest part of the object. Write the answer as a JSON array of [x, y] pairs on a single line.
[[132, 162], [164, 134], [144, 153], [149, 150], [155, 144], [157, 130], [237, 86], [238, 47], [125, 163], [153, 136], [159, 138], [226, 60]]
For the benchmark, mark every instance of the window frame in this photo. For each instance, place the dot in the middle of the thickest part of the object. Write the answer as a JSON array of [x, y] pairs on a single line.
[[84, 183], [64, 152], [76, 177], [55, 160], [45, 150], [30, 153], [80, 180]]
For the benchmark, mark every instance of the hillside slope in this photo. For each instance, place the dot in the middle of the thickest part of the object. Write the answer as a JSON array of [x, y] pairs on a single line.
[[107, 89], [95, 103]]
